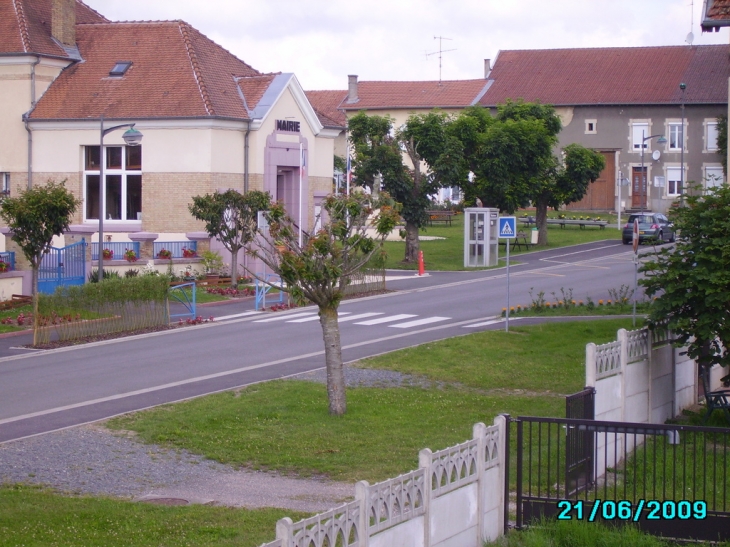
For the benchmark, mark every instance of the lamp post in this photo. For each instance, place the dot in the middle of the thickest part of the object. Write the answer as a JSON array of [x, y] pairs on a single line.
[[133, 138], [644, 188], [682, 86]]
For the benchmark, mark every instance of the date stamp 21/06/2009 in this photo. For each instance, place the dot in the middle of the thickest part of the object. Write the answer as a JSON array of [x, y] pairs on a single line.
[[629, 511]]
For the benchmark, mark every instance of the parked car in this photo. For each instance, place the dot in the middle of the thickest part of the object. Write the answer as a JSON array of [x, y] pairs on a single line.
[[652, 227]]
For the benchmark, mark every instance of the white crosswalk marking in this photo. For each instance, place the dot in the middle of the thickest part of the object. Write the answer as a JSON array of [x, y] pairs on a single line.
[[419, 322], [388, 319], [285, 317], [359, 316], [314, 318]]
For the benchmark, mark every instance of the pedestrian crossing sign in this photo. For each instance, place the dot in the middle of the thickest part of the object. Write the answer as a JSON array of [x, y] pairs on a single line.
[[508, 227]]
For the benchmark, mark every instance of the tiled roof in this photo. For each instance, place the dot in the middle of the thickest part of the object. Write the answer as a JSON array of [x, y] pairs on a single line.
[[649, 75], [717, 14], [325, 104], [176, 72], [25, 26], [425, 94], [253, 88]]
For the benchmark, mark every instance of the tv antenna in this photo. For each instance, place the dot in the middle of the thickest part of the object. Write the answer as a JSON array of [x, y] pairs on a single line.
[[691, 37], [441, 51]]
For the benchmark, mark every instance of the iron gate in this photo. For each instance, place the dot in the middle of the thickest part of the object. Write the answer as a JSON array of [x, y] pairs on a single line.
[[579, 444], [670, 480], [64, 266]]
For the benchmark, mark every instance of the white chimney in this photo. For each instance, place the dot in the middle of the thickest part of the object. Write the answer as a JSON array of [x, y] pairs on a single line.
[[487, 68]]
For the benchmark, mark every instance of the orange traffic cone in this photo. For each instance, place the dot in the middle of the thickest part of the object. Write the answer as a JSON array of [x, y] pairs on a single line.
[[421, 265]]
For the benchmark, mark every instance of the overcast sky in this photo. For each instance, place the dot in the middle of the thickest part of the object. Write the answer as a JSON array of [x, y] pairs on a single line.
[[322, 41]]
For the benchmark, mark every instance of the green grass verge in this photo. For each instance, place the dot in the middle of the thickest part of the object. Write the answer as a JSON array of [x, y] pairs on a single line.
[[448, 254], [285, 425], [13, 314], [579, 534], [34, 516]]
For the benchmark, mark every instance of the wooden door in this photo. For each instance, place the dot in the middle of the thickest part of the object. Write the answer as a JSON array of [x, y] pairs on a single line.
[[601, 192], [638, 188]]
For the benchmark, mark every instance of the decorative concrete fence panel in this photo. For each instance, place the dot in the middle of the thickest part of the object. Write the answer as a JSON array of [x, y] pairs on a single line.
[[454, 499]]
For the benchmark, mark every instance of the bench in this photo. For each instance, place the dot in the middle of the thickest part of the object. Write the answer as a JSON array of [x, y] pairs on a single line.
[[519, 241], [715, 400], [16, 301], [444, 216], [563, 222]]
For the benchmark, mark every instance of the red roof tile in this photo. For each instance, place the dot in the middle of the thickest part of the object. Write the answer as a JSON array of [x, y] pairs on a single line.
[[649, 75], [25, 26], [176, 72], [253, 88], [325, 103], [424, 94]]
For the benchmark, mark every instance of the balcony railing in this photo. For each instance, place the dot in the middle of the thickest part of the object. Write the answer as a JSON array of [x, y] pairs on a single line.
[[175, 247], [116, 247]]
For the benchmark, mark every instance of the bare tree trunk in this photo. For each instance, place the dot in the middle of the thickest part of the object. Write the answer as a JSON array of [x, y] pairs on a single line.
[[234, 268], [541, 208], [34, 289], [412, 245], [333, 360]]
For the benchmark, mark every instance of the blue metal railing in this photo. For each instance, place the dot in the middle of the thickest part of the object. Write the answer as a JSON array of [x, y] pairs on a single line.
[[117, 247], [263, 288], [175, 247], [187, 299], [9, 258]]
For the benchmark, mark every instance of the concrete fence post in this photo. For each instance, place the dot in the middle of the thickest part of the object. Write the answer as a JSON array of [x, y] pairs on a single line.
[[479, 434], [622, 337], [425, 460], [362, 494], [283, 530], [502, 421], [590, 365]]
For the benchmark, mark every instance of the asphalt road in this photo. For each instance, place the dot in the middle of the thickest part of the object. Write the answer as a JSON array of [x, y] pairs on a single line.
[[41, 391]]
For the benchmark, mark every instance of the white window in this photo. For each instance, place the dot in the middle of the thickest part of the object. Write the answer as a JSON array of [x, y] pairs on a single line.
[[674, 181], [123, 174], [591, 127], [639, 131], [713, 177], [676, 137], [5, 182], [711, 136]]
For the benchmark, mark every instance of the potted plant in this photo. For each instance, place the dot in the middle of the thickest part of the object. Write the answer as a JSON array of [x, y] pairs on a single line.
[[130, 255], [189, 253], [4, 266], [108, 254], [165, 254], [212, 262]]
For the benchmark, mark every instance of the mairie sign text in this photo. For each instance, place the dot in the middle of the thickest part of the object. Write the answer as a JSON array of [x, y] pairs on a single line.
[[287, 125]]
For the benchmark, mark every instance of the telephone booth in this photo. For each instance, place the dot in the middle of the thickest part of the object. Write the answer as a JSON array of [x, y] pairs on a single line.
[[481, 241]]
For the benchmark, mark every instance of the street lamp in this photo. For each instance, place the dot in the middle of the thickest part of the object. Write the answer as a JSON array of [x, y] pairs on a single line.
[[133, 138], [644, 189]]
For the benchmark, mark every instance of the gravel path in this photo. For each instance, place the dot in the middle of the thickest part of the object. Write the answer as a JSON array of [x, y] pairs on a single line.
[[93, 460]]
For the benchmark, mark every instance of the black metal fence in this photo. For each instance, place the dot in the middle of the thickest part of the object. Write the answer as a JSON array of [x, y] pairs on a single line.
[[670, 480]]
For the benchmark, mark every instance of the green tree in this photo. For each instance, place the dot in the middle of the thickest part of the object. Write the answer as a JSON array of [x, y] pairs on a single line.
[[512, 158], [320, 269], [691, 282], [34, 218], [434, 158], [231, 218]]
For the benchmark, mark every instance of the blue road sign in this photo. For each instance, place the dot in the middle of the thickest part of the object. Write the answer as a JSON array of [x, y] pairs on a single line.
[[508, 227]]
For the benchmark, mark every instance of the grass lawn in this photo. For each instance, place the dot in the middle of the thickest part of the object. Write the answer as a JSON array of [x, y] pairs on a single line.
[[13, 314], [285, 426], [34, 516], [448, 254]]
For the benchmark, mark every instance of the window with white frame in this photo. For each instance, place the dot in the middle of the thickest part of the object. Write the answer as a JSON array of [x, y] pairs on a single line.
[[639, 131], [714, 176], [591, 127], [674, 181], [676, 137], [5, 182], [711, 136], [123, 174]]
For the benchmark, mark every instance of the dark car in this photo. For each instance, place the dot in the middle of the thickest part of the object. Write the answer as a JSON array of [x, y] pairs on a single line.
[[652, 227]]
